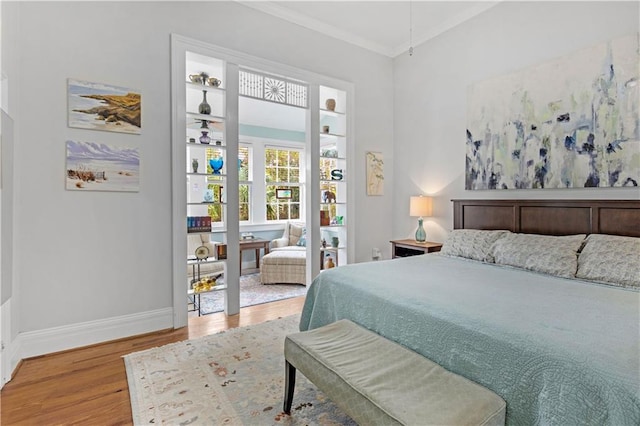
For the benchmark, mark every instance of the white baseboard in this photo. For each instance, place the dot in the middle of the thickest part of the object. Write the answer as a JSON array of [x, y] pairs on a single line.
[[55, 339]]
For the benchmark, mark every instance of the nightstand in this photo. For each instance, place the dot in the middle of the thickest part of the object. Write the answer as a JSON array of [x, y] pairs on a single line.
[[404, 248]]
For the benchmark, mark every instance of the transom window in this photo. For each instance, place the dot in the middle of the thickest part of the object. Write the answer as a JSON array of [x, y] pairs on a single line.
[[273, 88]]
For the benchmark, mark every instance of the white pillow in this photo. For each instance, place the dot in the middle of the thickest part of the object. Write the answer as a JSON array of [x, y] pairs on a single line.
[[541, 253], [611, 259], [471, 243]]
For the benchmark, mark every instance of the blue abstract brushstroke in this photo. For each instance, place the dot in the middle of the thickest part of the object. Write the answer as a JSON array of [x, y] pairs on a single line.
[[564, 138]]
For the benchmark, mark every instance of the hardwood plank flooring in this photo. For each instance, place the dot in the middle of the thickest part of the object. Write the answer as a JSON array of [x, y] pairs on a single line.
[[88, 386]]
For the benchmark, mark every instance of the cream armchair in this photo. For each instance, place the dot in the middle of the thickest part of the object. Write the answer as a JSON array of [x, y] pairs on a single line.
[[293, 231], [286, 261]]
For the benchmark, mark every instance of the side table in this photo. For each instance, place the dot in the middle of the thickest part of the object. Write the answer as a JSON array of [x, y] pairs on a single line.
[[405, 248]]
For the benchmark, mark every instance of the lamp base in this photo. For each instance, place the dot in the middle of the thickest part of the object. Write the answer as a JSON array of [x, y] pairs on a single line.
[[421, 235]]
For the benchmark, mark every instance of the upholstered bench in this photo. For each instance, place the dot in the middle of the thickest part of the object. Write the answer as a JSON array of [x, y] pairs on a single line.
[[377, 381], [284, 266]]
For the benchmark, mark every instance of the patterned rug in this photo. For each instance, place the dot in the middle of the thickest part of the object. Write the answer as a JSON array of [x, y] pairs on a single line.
[[234, 378], [252, 292]]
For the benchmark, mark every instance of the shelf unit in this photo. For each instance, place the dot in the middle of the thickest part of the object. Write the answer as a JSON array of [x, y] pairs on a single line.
[[188, 187], [333, 173], [205, 149], [204, 139]]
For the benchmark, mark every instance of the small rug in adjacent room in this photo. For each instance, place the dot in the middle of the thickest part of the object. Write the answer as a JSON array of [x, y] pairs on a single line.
[[235, 377], [252, 292]]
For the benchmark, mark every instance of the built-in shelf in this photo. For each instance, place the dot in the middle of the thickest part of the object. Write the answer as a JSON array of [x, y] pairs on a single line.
[[205, 145], [198, 86], [196, 116], [333, 135], [207, 175], [191, 292], [207, 203], [329, 112]]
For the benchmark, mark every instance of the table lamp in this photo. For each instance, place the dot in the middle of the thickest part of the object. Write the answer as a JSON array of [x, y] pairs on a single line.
[[420, 206]]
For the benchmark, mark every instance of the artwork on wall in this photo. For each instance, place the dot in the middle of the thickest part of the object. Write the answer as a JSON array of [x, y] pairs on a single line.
[[95, 166], [100, 106], [375, 173], [283, 194], [569, 123]]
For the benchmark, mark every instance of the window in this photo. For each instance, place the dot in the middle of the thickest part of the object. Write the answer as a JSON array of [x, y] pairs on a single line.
[[245, 177], [282, 172], [214, 184]]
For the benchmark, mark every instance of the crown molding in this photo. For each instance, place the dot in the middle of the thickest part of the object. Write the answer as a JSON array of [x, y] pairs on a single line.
[[281, 12], [316, 25], [458, 19]]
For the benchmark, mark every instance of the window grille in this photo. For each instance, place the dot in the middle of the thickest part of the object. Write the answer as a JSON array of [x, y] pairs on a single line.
[[273, 89]]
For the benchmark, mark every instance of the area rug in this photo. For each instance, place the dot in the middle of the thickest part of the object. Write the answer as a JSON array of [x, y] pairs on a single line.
[[234, 378], [252, 292]]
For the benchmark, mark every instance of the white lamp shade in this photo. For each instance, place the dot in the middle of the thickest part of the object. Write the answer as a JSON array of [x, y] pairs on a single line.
[[420, 206]]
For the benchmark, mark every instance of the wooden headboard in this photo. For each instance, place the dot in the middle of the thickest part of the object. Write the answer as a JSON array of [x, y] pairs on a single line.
[[550, 217]]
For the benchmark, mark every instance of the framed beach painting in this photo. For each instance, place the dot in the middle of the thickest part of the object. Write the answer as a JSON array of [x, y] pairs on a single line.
[[375, 173], [95, 166], [99, 106]]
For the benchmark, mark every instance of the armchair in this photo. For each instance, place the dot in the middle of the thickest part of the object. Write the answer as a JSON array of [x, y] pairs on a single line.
[[286, 261], [290, 240]]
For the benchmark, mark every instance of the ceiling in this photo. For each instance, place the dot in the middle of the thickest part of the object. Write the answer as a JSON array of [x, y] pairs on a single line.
[[380, 26]]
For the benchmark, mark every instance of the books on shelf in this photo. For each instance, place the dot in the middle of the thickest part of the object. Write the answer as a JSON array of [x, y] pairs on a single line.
[[198, 224]]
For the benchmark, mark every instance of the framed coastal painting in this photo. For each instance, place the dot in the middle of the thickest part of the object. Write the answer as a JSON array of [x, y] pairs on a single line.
[[93, 166], [571, 122], [99, 106], [375, 173]]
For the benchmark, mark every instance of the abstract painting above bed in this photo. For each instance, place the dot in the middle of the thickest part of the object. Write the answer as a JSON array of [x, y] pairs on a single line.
[[569, 123]]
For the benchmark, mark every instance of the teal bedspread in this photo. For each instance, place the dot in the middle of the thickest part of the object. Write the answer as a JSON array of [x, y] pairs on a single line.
[[559, 351]]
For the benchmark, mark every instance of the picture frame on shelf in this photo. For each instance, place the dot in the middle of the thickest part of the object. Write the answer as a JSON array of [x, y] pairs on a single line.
[[221, 251], [283, 194]]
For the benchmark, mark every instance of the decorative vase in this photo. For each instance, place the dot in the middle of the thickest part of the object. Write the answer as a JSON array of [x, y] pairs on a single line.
[[421, 235], [335, 241], [325, 129], [205, 139], [194, 165], [330, 104], [329, 263], [216, 164], [204, 107]]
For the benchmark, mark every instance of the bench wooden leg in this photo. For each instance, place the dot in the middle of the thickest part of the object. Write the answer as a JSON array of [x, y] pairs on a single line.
[[289, 386]]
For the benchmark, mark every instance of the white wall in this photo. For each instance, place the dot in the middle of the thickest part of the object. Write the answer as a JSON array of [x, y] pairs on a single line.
[[9, 58], [430, 96], [91, 256]]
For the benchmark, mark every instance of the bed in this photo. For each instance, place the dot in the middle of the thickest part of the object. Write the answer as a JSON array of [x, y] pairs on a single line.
[[560, 350]]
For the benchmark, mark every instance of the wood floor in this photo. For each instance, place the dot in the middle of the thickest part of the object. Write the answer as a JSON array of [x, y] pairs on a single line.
[[88, 386]]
